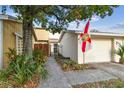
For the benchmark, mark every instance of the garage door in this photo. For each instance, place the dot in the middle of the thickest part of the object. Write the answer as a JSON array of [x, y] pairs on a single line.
[[100, 52]]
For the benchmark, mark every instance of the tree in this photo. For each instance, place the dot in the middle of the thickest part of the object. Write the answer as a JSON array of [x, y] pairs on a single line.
[[55, 18]]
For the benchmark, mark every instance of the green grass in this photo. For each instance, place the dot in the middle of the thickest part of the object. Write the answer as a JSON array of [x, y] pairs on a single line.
[[112, 83]]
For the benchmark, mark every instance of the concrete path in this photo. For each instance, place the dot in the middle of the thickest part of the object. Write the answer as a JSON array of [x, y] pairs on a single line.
[[114, 69], [87, 76], [59, 79], [56, 78], [103, 71]]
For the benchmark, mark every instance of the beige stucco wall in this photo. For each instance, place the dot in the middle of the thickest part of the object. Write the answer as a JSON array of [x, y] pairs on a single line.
[[9, 39], [68, 46]]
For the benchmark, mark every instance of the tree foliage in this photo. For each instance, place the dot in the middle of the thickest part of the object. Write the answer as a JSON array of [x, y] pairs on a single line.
[[56, 18]]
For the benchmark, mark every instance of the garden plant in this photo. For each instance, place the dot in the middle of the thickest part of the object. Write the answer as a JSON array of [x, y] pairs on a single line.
[[23, 70]]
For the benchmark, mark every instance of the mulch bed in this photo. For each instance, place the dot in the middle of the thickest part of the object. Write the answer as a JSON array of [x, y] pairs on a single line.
[[33, 83], [74, 67], [29, 84], [112, 83]]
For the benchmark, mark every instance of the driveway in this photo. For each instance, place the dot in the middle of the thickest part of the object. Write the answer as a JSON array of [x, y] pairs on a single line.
[[114, 69], [103, 71], [59, 79]]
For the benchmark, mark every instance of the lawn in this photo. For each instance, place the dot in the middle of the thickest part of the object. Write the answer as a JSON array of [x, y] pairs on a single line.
[[112, 83]]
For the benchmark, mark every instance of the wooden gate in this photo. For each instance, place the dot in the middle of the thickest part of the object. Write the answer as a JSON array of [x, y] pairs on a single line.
[[43, 47]]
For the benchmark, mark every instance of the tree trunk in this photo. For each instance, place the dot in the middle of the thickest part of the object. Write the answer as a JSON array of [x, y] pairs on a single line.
[[27, 33], [27, 38]]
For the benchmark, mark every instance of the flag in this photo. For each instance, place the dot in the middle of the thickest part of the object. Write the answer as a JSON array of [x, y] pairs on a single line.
[[85, 38]]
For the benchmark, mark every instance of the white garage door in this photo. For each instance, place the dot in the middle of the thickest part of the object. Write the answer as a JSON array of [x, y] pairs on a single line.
[[100, 52]]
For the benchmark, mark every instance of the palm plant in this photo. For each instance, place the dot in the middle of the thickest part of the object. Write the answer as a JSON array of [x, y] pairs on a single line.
[[120, 52]]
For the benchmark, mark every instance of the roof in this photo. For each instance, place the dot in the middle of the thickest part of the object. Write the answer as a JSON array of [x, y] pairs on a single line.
[[41, 34], [9, 17], [92, 33]]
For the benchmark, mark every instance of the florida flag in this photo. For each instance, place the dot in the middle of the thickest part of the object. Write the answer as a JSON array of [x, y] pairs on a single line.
[[85, 38]]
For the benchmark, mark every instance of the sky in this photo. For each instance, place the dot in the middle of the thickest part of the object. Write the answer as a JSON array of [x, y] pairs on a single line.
[[113, 23]]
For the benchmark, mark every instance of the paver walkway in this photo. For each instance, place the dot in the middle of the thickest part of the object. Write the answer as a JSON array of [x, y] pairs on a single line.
[[56, 78]]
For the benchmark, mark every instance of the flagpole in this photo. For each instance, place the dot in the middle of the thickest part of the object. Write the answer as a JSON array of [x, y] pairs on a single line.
[[83, 58]]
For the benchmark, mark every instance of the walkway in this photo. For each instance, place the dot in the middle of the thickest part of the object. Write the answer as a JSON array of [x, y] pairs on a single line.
[[56, 78], [59, 79]]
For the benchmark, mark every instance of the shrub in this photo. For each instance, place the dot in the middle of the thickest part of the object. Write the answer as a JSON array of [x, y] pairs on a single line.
[[12, 54], [68, 64], [65, 66], [22, 68], [74, 66], [79, 67], [43, 71], [4, 82], [120, 52], [119, 84], [39, 56], [3, 75]]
